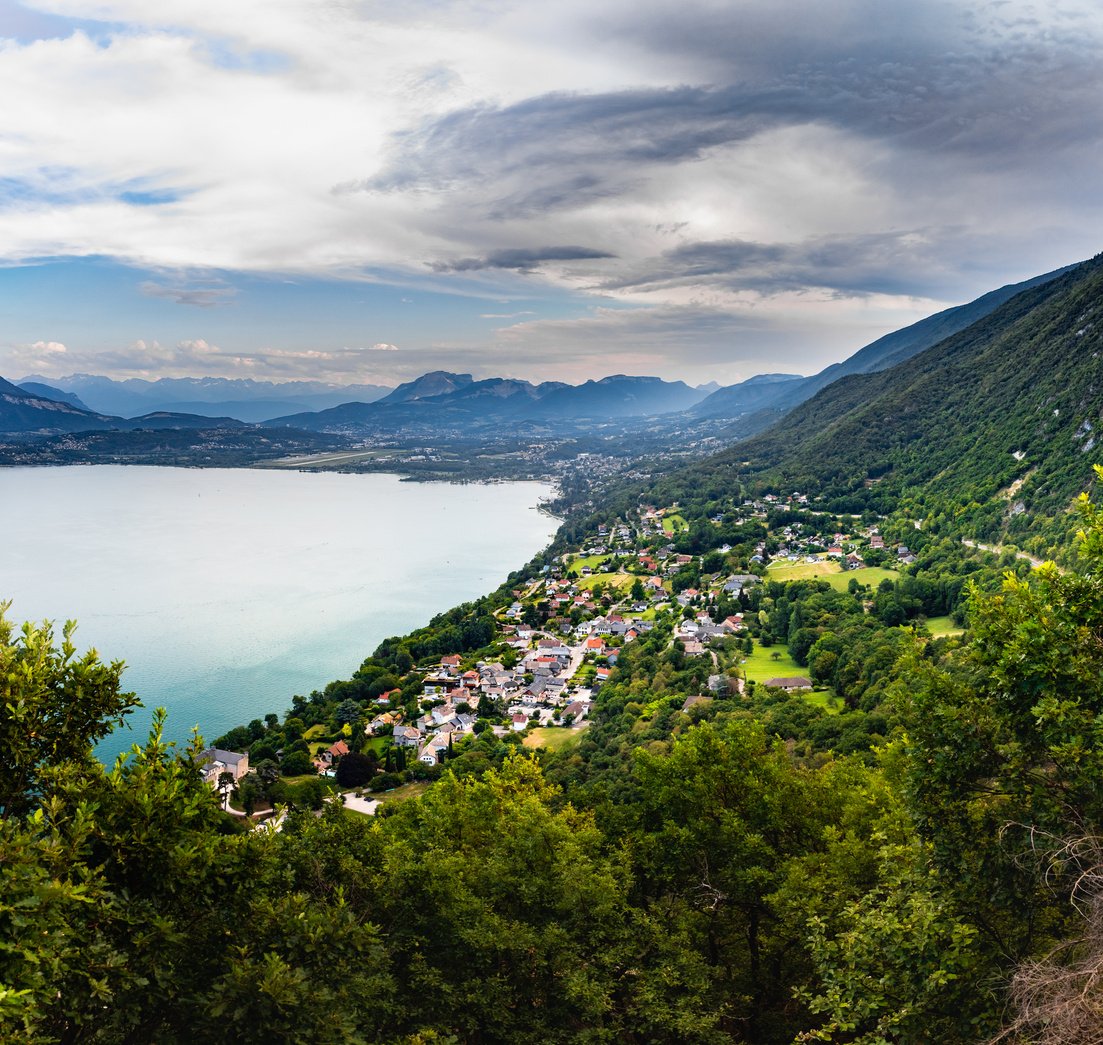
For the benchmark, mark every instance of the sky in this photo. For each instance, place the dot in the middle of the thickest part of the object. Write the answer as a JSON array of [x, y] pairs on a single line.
[[365, 191]]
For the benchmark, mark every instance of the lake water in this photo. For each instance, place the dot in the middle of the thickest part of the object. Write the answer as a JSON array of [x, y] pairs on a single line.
[[226, 591]]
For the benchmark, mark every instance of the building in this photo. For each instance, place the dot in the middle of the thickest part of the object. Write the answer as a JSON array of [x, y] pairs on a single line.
[[214, 762]]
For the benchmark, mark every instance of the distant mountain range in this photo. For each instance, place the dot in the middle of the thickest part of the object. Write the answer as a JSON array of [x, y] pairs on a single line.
[[26, 412], [240, 398], [441, 398], [454, 404]]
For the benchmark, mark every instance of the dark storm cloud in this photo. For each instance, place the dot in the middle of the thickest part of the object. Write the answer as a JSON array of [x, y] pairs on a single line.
[[979, 98], [880, 263], [564, 144], [521, 260]]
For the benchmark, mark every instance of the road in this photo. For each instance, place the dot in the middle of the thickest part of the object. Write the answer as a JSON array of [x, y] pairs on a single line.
[[998, 549]]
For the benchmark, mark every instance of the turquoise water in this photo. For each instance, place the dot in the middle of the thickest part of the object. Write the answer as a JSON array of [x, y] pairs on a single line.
[[226, 591]]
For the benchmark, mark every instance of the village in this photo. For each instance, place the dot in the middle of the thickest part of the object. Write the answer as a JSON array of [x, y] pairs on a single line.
[[560, 638]]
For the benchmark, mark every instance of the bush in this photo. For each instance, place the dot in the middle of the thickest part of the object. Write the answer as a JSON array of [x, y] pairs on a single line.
[[386, 782]]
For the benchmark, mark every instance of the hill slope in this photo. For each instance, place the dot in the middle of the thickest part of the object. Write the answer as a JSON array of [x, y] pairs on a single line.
[[881, 354], [1013, 404], [22, 412]]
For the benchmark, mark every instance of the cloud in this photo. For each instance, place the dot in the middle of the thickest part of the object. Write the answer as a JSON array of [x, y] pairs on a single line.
[[521, 259], [902, 263], [696, 160], [383, 346], [201, 295]]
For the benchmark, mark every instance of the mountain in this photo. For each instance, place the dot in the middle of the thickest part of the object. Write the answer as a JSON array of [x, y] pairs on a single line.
[[755, 392], [25, 412], [161, 419], [431, 385], [56, 394], [241, 398], [441, 398], [881, 354], [1012, 405], [617, 396]]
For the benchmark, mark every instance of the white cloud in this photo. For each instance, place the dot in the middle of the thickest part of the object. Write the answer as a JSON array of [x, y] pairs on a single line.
[[398, 142]]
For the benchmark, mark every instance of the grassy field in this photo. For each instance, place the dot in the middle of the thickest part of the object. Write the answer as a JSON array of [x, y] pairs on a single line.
[[593, 561], [824, 699], [760, 666], [554, 738], [614, 580], [871, 575], [801, 571], [674, 524], [942, 626], [399, 794]]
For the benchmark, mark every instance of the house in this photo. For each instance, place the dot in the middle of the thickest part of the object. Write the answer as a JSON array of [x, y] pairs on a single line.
[[442, 714], [691, 702], [594, 645], [794, 683], [576, 710], [406, 736], [451, 662], [520, 722], [335, 752], [435, 750], [214, 762]]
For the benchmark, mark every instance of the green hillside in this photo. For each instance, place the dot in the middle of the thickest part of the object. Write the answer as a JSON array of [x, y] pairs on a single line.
[[1010, 406]]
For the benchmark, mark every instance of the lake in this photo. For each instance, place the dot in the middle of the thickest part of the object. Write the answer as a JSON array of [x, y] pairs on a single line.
[[226, 591]]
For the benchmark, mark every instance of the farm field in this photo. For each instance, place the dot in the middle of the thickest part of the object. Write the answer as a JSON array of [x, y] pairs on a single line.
[[554, 738], [616, 580], [871, 575], [801, 571]]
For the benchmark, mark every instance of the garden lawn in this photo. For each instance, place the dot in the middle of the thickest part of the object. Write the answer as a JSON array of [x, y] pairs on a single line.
[[801, 571], [593, 561], [823, 698], [942, 626], [760, 666], [871, 575], [674, 524]]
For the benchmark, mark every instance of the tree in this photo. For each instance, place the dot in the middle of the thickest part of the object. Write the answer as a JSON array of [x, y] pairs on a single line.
[[348, 712], [297, 763], [54, 706], [355, 769]]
